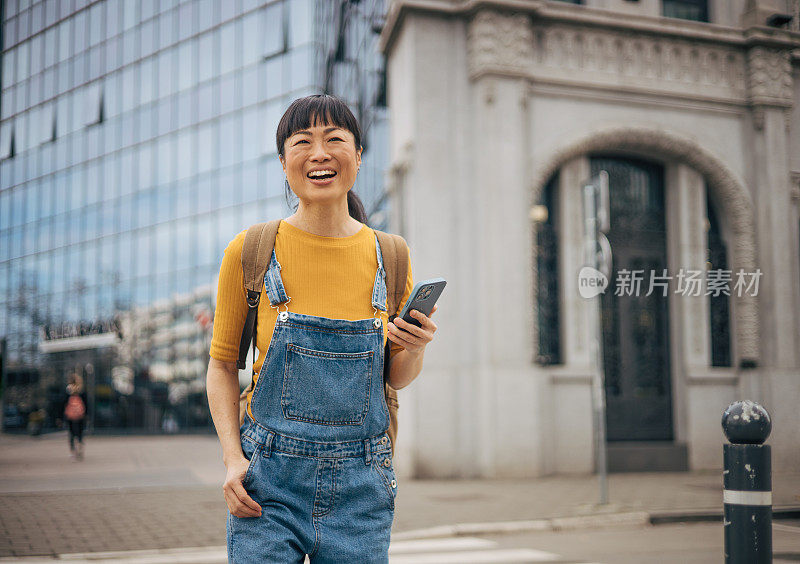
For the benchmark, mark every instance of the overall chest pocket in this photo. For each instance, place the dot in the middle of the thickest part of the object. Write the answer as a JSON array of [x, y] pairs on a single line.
[[328, 388]]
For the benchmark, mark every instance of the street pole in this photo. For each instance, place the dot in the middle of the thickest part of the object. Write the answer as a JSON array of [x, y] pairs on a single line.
[[597, 254]]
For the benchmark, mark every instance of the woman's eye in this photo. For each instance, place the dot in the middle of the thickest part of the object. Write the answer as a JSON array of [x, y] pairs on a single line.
[[336, 138], [301, 141]]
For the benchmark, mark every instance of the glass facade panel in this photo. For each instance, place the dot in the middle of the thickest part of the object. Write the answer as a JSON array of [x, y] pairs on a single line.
[[143, 142]]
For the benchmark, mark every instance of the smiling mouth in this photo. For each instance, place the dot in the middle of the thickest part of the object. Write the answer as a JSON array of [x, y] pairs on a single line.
[[326, 176]]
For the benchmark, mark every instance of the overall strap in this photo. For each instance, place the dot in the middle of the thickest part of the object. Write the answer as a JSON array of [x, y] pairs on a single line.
[[395, 263], [259, 243]]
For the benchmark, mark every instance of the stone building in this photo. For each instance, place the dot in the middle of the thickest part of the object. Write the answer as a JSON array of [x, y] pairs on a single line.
[[501, 110]]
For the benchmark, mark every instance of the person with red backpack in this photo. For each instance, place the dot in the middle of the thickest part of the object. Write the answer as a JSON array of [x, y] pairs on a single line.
[[74, 410]]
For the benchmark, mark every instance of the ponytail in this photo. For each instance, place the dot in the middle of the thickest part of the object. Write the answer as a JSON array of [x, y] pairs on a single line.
[[356, 208]]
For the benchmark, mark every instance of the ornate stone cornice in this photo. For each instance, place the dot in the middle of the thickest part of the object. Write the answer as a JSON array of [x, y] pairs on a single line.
[[500, 43], [769, 76]]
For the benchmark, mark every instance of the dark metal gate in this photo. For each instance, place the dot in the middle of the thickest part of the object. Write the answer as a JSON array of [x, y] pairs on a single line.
[[635, 326]]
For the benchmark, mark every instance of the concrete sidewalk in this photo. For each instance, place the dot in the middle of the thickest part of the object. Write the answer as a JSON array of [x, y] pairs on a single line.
[[133, 493]]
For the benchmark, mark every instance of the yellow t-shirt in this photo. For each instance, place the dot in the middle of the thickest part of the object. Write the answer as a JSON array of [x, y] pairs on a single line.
[[328, 277]]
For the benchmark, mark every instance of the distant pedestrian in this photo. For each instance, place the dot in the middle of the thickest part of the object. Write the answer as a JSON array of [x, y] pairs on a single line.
[[74, 410]]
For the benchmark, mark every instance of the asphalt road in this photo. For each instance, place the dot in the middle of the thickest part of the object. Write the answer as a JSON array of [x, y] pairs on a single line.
[[684, 543]]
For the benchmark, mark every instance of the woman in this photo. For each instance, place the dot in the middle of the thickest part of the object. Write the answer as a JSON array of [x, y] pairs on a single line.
[[309, 471], [74, 410]]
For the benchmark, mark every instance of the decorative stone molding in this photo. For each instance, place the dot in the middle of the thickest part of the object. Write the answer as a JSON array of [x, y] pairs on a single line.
[[499, 42], [568, 53], [769, 76], [725, 188]]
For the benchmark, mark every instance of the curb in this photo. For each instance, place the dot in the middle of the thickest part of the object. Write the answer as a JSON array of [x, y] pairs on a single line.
[[596, 521], [632, 519]]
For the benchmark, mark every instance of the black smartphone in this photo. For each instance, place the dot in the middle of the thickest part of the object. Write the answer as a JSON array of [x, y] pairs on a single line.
[[423, 297]]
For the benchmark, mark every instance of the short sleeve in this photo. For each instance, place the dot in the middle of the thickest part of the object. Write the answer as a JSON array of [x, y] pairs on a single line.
[[394, 348], [231, 308]]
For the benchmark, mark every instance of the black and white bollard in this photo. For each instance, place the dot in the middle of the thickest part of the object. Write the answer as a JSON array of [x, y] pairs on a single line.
[[747, 491]]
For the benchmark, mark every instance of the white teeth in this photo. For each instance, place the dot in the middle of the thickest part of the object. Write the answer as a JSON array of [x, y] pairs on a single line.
[[320, 172]]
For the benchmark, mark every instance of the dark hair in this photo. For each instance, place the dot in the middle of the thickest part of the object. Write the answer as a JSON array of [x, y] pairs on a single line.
[[304, 112]]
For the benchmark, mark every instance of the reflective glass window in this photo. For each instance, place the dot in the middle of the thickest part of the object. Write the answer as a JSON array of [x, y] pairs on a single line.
[[166, 159], [184, 244], [229, 135], [227, 47], [146, 158], [165, 74], [79, 37], [163, 235], [203, 194], [126, 174], [97, 23], [186, 75], [228, 188], [144, 252], [130, 14], [148, 8], [186, 20], [147, 42], [36, 54], [129, 87], [251, 52], [251, 135], [185, 165], [166, 29], [146, 83], [32, 201], [250, 187], [206, 147], [302, 21], [113, 48], [207, 57], [8, 68], [112, 19], [165, 116], [130, 49], [50, 55], [273, 25], [65, 40], [206, 236], [23, 61], [228, 94], [208, 13], [205, 101]]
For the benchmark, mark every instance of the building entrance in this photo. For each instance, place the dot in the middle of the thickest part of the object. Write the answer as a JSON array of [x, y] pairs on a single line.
[[635, 325]]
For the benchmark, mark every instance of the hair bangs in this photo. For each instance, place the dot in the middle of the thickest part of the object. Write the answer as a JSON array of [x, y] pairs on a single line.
[[317, 109]]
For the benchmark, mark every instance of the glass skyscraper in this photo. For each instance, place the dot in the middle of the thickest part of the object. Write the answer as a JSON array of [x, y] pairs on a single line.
[[137, 139]]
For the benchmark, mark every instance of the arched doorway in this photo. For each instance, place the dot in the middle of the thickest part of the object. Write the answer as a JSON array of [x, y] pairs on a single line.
[[634, 309]]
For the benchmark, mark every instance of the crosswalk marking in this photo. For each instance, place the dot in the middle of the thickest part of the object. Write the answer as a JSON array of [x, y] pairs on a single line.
[[518, 555], [460, 550], [455, 543]]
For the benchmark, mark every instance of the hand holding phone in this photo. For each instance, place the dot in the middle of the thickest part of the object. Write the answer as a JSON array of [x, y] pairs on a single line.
[[423, 297]]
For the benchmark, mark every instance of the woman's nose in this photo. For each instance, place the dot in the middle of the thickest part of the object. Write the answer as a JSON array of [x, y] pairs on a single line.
[[318, 152]]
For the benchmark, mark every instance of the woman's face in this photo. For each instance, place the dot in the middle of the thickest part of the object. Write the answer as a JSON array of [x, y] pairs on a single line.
[[311, 155]]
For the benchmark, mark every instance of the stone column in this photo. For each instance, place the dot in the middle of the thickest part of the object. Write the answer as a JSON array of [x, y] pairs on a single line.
[[499, 53], [770, 91]]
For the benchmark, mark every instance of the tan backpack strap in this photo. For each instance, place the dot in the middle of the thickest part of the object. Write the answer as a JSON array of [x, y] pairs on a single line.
[[259, 241]]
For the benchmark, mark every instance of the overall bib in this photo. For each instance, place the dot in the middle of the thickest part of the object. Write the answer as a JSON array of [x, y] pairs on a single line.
[[320, 457]]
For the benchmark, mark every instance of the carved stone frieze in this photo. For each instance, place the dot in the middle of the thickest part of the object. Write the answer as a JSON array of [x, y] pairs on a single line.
[[499, 42], [769, 76], [562, 52], [638, 60]]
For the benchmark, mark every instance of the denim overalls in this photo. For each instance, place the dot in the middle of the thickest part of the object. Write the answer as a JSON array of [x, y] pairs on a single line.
[[320, 457]]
